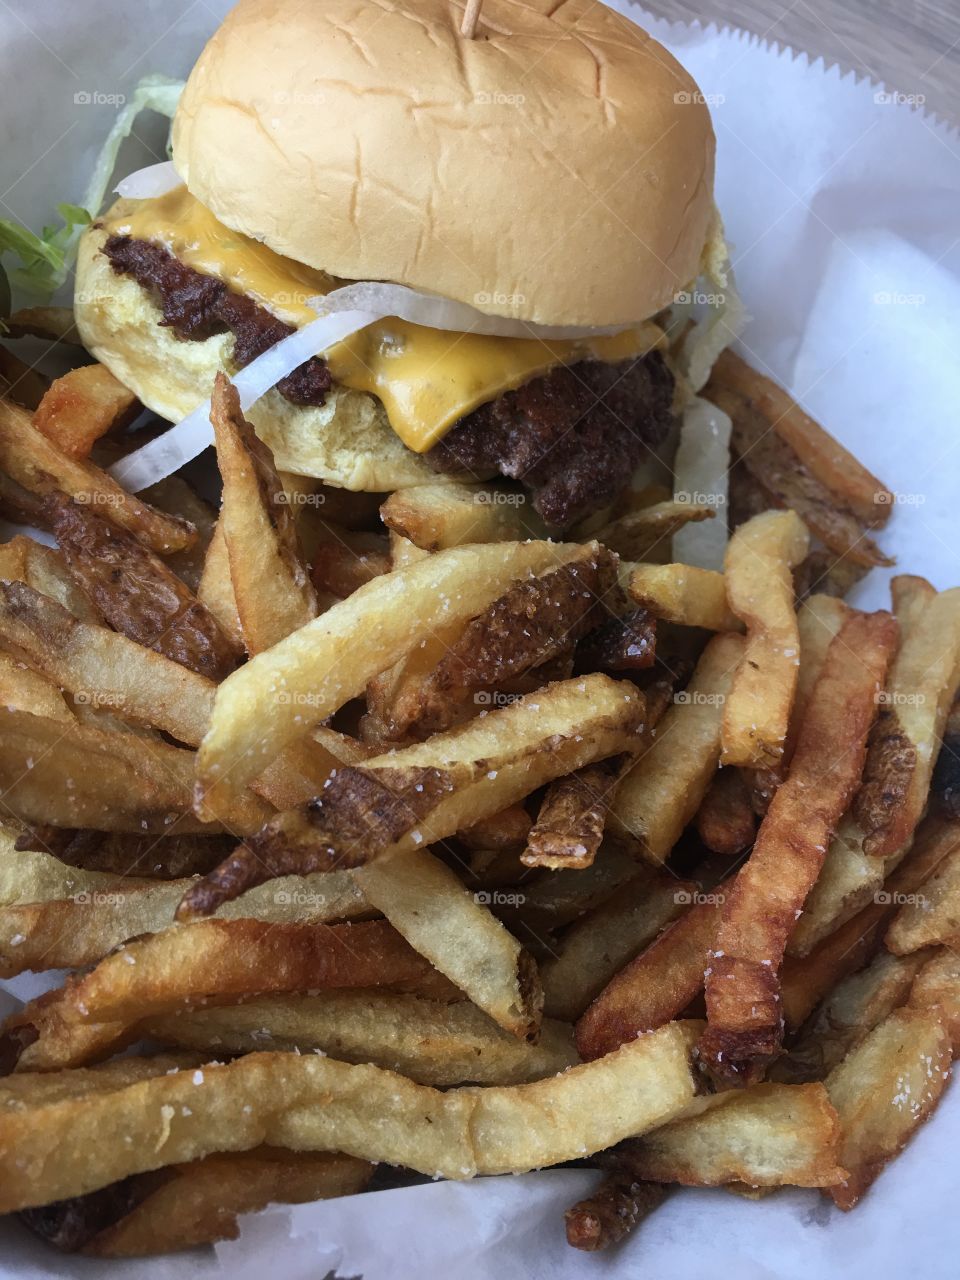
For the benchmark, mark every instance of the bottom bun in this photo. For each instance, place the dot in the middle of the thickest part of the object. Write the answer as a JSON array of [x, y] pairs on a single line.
[[347, 441]]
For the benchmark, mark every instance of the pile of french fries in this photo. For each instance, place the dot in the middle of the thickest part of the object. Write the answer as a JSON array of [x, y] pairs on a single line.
[[384, 830]]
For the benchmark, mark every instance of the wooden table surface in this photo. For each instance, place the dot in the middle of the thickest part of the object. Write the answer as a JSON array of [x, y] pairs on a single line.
[[910, 46]]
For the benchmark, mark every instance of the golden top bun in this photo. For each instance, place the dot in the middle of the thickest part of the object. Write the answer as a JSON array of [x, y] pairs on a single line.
[[558, 168], [347, 441]]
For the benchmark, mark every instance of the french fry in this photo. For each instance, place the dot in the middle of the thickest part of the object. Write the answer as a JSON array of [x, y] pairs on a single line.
[[21, 382], [725, 819], [215, 589], [344, 560], [428, 905], [22, 689], [75, 775], [271, 583], [171, 858], [683, 594], [848, 1014], [438, 516], [551, 901], [923, 683], [601, 942], [937, 985], [769, 1135], [614, 1209], [573, 813], [759, 559], [137, 593], [646, 533], [52, 1127], [311, 673], [56, 324], [883, 1091], [83, 405], [932, 914], [506, 830], [36, 463], [945, 782], [214, 960], [102, 668], [396, 802], [177, 498], [806, 981], [428, 1041], [192, 1204], [833, 465], [66, 918], [44, 569], [660, 794], [744, 1024], [654, 987]]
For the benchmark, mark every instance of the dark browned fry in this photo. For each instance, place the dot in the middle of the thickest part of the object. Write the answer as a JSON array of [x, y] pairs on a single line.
[[784, 481], [164, 858], [945, 786], [344, 560], [569, 826], [621, 644], [69, 1225], [136, 592], [891, 760], [612, 1211], [826, 574], [507, 830], [725, 819], [744, 1023]]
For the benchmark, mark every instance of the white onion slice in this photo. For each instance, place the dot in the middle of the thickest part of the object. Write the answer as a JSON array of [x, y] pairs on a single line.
[[701, 473], [154, 180], [167, 453], [443, 313]]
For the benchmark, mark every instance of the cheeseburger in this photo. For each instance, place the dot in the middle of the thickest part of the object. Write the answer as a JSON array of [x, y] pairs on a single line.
[[543, 192]]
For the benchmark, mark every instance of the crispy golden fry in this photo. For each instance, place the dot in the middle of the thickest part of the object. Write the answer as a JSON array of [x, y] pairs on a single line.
[[215, 589], [742, 988], [82, 406], [438, 516], [662, 791], [419, 795], [28, 875], [104, 669], [426, 902], [605, 939], [22, 689], [848, 880], [683, 594], [784, 481], [214, 960], [37, 464], [76, 775], [54, 323], [137, 593], [883, 1091], [573, 813], [848, 1014], [806, 981], [759, 559], [40, 567], [656, 986], [403, 552], [835, 467], [923, 683], [614, 1209], [533, 623], [60, 919], [428, 1041], [52, 1127], [932, 914], [725, 819], [646, 533], [271, 582], [937, 985], [770, 1135], [317, 669], [168, 1210]]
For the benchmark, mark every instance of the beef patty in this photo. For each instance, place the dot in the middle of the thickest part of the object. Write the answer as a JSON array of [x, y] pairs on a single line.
[[573, 436]]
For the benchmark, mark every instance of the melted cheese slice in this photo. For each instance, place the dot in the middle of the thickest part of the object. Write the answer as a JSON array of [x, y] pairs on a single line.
[[427, 379]]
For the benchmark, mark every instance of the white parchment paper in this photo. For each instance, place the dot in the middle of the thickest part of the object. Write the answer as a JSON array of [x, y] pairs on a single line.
[[842, 206]]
